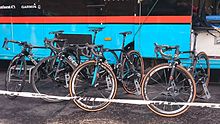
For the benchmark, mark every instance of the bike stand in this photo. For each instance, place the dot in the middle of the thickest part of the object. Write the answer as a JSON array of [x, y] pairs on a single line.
[[138, 87], [67, 79], [109, 83], [29, 72], [207, 93]]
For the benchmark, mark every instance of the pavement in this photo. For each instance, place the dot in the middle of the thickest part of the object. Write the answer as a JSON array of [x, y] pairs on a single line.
[[36, 111]]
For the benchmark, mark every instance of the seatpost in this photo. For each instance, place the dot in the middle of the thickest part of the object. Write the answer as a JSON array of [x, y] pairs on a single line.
[[123, 41], [93, 41]]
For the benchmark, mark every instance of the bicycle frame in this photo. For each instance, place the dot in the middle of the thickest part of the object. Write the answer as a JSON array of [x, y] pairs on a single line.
[[202, 76], [174, 61], [118, 69]]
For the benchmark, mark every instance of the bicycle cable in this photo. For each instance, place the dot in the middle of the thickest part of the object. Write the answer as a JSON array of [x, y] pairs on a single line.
[[141, 24]]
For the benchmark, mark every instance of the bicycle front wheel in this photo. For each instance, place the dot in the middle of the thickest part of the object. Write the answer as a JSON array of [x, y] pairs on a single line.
[[131, 74], [51, 77], [157, 87], [16, 75], [201, 72], [82, 85]]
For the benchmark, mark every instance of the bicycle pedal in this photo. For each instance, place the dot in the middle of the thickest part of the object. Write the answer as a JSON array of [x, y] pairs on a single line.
[[138, 75], [130, 76], [66, 86], [119, 79], [96, 84]]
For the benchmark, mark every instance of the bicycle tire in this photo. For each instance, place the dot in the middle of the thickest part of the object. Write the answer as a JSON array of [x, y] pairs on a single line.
[[201, 71], [16, 75], [47, 80], [153, 83], [79, 86], [137, 60]]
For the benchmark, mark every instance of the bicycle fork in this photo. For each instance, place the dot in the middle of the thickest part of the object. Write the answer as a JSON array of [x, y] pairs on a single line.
[[172, 89], [95, 76], [97, 73]]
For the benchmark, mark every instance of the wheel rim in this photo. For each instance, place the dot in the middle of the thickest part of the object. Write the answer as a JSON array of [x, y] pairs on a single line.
[[16, 75], [47, 80], [201, 74], [129, 76], [81, 86], [156, 87]]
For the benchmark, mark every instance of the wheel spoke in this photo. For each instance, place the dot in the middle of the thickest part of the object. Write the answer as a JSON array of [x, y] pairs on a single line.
[[98, 90], [180, 91], [157, 82]]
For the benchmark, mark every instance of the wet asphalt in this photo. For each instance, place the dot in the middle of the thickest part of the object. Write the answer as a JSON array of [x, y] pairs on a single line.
[[36, 111]]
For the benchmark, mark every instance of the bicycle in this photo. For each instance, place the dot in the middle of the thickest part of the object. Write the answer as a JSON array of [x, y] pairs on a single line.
[[200, 70], [51, 75], [96, 78], [168, 82], [199, 67], [17, 71], [93, 78], [121, 63]]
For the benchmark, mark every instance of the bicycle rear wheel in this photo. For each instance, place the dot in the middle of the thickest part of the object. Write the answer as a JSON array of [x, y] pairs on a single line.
[[51, 77], [129, 75], [16, 75], [157, 87], [105, 85], [201, 72]]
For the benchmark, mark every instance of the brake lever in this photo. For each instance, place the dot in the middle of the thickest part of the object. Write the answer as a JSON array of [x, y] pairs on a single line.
[[156, 49], [5, 44], [156, 52]]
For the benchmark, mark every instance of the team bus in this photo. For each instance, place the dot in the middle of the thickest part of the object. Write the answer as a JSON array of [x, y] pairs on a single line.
[[162, 21]]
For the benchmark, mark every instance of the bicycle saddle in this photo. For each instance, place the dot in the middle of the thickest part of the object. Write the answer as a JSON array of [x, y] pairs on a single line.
[[125, 33], [56, 32], [96, 29]]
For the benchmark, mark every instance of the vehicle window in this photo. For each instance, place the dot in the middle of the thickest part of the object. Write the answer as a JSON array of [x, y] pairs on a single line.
[[67, 7], [120, 7], [167, 7], [72, 7]]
